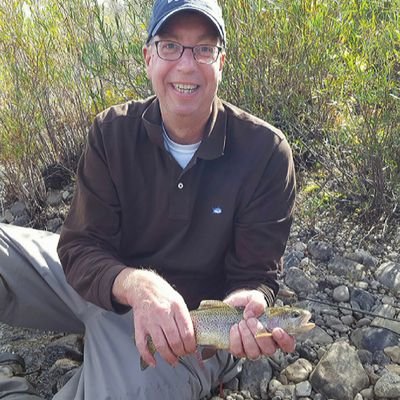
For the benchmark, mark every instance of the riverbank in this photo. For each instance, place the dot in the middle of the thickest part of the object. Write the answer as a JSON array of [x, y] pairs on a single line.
[[351, 354]]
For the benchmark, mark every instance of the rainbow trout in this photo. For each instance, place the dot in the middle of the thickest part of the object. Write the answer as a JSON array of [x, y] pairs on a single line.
[[213, 320]]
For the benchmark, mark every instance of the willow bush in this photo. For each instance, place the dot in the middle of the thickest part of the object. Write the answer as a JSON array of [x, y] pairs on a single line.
[[326, 72]]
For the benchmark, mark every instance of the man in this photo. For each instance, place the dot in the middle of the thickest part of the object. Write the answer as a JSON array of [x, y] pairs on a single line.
[[179, 198]]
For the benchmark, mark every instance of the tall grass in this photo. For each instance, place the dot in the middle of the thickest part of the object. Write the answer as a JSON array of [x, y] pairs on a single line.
[[326, 72]]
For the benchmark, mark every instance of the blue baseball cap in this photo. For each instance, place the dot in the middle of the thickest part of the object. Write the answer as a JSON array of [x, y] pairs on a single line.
[[163, 9]]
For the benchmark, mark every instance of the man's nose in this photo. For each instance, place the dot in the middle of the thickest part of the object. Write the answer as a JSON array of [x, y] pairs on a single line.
[[187, 59]]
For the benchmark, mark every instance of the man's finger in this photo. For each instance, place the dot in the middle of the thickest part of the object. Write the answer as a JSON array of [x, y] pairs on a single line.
[[186, 332], [286, 342], [162, 345], [266, 344], [173, 338], [235, 342], [250, 345], [253, 309]]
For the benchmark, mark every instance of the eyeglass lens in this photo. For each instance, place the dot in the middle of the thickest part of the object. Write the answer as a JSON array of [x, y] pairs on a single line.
[[172, 51]]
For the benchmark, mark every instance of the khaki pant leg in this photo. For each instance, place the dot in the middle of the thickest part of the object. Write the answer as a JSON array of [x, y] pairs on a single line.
[[27, 299], [111, 370]]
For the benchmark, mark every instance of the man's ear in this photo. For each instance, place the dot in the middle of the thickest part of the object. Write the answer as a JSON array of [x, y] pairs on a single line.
[[146, 54], [147, 58], [222, 61]]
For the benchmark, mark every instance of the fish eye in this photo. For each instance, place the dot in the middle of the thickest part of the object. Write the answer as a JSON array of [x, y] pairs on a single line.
[[295, 314]]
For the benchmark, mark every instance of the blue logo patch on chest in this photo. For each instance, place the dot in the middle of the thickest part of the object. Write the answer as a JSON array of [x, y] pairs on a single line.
[[217, 210]]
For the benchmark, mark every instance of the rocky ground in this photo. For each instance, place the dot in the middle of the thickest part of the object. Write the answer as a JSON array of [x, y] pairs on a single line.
[[347, 277]]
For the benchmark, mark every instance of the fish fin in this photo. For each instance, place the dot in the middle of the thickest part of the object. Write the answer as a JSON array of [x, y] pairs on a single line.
[[206, 304], [263, 334], [143, 364], [199, 359], [208, 352]]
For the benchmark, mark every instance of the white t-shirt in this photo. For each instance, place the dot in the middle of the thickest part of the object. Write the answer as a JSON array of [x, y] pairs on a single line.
[[182, 153]]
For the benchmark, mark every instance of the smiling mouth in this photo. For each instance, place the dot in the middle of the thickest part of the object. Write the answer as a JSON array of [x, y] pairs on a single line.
[[185, 88]]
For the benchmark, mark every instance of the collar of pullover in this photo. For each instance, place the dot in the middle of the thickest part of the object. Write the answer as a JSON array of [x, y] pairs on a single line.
[[213, 144]]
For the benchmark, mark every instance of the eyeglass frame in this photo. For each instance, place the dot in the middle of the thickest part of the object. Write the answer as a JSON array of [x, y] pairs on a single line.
[[219, 48]]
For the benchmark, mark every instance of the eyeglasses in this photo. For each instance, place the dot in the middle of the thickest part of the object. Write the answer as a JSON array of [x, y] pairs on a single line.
[[169, 50]]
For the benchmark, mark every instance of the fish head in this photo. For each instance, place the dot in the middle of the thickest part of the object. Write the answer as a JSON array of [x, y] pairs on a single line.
[[292, 320]]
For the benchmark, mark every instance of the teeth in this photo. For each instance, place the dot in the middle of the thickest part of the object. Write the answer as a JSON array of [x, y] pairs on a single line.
[[185, 88]]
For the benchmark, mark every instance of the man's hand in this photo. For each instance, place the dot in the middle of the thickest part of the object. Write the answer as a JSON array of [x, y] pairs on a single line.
[[159, 311], [242, 336]]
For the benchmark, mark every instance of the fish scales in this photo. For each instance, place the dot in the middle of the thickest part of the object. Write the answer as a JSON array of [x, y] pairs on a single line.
[[213, 320], [212, 325]]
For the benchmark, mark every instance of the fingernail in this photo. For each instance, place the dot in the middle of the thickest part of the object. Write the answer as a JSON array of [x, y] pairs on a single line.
[[278, 334]]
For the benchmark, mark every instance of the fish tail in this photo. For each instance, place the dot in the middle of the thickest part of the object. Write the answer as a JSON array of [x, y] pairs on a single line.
[[152, 349], [143, 364]]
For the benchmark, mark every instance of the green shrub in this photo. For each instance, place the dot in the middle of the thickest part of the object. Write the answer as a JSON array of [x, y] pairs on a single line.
[[326, 72]]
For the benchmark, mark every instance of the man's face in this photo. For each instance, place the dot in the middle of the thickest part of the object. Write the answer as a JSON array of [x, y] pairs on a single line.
[[184, 87]]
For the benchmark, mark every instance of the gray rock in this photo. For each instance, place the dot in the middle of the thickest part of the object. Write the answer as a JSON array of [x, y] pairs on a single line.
[[363, 322], [341, 294], [320, 250], [393, 368], [297, 280], [347, 268], [54, 198], [380, 358], [21, 220], [7, 217], [394, 353], [367, 259], [367, 394], [69, 346], [388, 300], [66, 195], [317, 336], [306, 351], [365, 356], [53, 224], [363, 257], [339, 374], [18, 209], [273, 386], [293, 259], [303, 389], [233, 384], [388, 274], [298, 371], [388, 386], [362, 285], [301, 247], [347, 320], [387, 311], [253, 373], [373, 339], [363, 299]]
